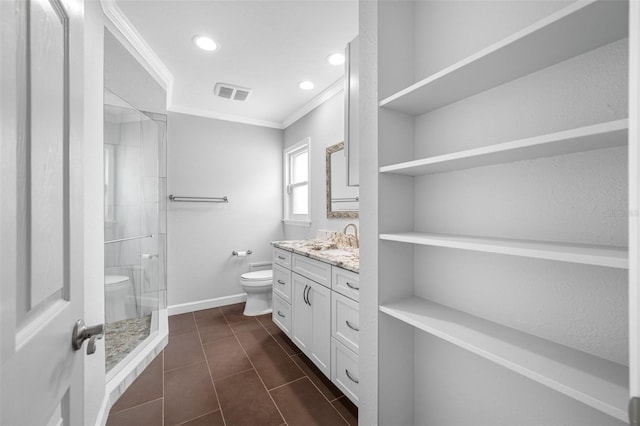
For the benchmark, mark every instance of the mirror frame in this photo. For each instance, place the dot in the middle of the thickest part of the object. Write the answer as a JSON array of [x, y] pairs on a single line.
[[331, 214]]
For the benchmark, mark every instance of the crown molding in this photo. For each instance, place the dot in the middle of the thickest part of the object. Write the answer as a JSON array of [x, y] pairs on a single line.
[[161, 73], [225, 117], [154, 64], [324, 96]]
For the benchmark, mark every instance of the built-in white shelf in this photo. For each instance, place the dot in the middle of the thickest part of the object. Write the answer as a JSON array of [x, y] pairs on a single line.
[[594, 381], [598, 136], [613, 257], [571, 31]]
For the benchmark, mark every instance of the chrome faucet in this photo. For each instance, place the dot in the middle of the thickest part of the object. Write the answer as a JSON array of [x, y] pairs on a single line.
[[355, 230]]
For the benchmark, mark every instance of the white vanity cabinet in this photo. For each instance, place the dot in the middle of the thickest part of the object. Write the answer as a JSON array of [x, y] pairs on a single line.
[[345, 331], [310, 327], [316, 305], [282, 290]]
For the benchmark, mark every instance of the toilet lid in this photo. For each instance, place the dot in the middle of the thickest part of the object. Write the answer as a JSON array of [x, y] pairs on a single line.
[[258, 275], [115, 279]]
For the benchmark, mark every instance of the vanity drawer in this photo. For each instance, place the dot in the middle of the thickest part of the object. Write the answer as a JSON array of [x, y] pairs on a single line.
[[345, 321], [315, 270], [346, 283], [282, 314], [282, 257], [282, 282], [345, 373]]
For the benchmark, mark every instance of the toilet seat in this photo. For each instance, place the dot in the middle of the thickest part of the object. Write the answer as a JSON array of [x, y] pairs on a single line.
[[116, 282], [257, 278]]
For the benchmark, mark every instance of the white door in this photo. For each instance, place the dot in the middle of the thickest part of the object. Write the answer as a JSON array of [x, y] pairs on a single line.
[[41, 222], [319, 298], [300, 325]]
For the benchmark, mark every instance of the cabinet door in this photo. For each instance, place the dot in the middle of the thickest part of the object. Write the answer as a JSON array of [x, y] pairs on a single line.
[[320, 310], [301, 321]]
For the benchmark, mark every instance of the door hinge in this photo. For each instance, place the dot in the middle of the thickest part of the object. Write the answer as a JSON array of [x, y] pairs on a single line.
[[634, 411]]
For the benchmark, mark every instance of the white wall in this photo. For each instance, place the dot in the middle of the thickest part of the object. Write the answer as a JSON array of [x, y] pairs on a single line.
[[209, 157], [325, 126]]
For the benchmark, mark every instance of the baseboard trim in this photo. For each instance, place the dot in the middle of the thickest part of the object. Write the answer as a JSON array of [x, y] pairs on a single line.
[[183, 308]]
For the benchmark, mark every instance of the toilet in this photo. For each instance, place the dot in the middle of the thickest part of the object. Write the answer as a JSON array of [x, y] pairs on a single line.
[[116, 289], [258, 286]]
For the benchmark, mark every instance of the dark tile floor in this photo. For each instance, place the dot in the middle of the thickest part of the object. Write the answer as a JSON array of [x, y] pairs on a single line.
[[222, 368]]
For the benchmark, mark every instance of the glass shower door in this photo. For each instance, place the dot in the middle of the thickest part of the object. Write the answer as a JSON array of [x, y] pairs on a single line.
[[134, 235]]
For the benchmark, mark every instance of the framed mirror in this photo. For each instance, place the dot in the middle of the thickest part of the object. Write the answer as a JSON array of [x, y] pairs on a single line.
[[342, 201]]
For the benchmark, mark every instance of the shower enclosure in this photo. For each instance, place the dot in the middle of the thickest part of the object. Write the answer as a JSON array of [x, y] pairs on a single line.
[[134, 227]]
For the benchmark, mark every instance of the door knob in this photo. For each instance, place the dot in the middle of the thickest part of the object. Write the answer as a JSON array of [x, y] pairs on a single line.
[[82, 332]]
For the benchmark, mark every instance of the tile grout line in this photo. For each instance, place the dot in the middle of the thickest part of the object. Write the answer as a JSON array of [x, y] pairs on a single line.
[[201, 415], [303, 372], [288, 383], [278, 343], [305, 375], [256, 370], [339, 413], [215, 391], [135, 406], [231, 375]]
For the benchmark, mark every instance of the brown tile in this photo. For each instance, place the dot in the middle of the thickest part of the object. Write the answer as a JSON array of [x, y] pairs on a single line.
[[212, 332], [285, 343], [268, 323], [348, 410], [188, 394], [233, 313], [272, 363], [182, 350], [183, 323], [251, 326], [301, 404], [146, 387], [328, 389], [208, 314], [211, 419], [244, 401], [226, 357], [149, 414]]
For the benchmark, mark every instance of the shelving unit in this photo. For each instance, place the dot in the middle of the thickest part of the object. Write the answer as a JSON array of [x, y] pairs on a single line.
[[594, 381], [612, 257], [567, 33], [416, 118], [588, 138]]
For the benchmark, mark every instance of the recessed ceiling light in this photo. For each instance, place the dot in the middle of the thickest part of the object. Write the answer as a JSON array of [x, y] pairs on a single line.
[[306, 85], [336, 59], [205, 43]]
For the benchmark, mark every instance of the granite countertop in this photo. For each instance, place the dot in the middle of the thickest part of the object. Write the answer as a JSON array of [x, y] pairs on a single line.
[[324, 251]]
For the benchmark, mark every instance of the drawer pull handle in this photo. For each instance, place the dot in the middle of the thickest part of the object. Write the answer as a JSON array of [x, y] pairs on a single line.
[[281, 258], [351, 286], [281, 282], [351, 378], [308, 300], [351, 326], [281, 314]]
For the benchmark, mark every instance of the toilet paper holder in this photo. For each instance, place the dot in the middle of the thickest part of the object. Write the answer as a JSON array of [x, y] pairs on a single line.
[[241, 253]]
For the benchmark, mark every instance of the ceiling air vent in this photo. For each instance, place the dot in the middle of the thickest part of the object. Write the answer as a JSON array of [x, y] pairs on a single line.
[[229, 91]]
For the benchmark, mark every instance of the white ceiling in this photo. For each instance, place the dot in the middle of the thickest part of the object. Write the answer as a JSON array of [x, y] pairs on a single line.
[[268, 46]]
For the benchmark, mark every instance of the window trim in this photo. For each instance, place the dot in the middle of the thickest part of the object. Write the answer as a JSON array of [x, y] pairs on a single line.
[[288, 154]]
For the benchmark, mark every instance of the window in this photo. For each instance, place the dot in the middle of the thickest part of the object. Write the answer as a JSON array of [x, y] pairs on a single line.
[[296, 184]]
